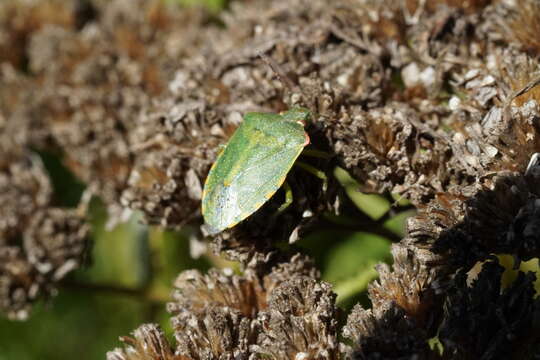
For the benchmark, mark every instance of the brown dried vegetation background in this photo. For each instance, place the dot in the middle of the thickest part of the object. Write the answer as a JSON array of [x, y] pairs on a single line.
[[434, 101]]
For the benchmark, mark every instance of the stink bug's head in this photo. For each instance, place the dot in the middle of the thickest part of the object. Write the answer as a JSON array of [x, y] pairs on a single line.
[[298, 114]]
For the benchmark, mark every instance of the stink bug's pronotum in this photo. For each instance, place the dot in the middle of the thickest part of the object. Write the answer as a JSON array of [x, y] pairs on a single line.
[[252, 166]]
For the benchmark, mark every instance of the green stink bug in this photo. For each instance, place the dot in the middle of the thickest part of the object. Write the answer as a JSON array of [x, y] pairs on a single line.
[[252, 166]]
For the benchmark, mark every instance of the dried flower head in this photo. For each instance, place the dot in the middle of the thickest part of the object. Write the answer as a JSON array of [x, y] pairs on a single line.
[[220, 314], [300, 322], [20, 19], [38, 247], [386, 332], [523, 25], [248, 293], [174, 145], [20, 284], [39, 244], [24, 188], [216, 333], [502, 219], [386, 151], [148, 343], [55, 241], [196, 292], [409, 285]]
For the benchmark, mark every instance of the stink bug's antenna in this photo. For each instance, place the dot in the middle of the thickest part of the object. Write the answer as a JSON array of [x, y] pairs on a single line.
[[282, 76]]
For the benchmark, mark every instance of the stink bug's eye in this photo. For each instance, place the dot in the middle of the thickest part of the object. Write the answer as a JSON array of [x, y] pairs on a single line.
[[297, 115]]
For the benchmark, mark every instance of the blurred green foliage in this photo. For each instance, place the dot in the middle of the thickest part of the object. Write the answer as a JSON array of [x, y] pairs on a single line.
[[213, 5], [78, 324]]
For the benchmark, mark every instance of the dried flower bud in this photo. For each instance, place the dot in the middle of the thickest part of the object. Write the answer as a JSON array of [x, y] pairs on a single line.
[[24, 188], [217, 333], [214, 314], [174, 146], [386, 332], [20, 284], [300, 322], [39, 244], [409, 286], [55, 242], [196, 292], [148, 343], [280, 268]]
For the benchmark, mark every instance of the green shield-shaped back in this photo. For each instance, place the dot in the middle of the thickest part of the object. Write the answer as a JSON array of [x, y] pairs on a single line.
[[252, 167]]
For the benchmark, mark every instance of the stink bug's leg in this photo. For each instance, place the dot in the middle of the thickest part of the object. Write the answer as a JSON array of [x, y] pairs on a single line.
[[317, 154], [314, 171], [288, 199]]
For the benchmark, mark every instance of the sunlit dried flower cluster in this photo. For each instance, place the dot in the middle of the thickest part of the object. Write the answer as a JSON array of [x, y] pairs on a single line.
[[285, 313], [435, 101]]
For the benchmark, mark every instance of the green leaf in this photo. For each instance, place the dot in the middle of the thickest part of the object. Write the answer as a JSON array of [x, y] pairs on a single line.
[[350, 265], [119, 255], [396, 224], [171, 255], [353, 286], [372, 205]]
